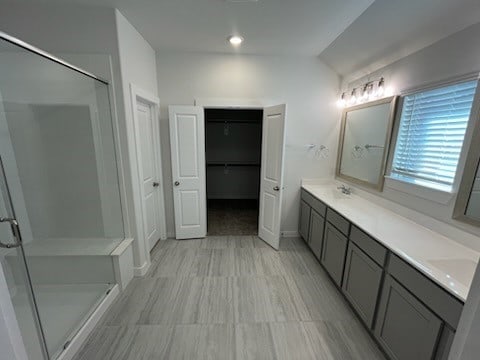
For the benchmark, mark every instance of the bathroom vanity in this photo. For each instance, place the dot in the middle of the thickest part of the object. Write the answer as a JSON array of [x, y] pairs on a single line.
[[406, 283]]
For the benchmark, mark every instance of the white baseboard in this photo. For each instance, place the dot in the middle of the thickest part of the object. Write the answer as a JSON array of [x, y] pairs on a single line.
[[89, 325], [171, 235], [289, 234], [142, 270]]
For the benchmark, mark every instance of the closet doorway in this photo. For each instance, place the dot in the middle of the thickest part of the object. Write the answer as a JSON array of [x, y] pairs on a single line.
[[255, 184], [233, 153]]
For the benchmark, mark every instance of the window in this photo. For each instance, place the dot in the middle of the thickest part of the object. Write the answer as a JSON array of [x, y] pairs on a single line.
[[430, 135]]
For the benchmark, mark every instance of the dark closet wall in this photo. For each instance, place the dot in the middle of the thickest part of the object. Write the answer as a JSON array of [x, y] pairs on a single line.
[[233, 145]]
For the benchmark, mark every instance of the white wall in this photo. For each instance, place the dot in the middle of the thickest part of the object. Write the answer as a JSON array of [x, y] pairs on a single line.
[[137, 66], [306, 85], [456, 55], [61, 188]]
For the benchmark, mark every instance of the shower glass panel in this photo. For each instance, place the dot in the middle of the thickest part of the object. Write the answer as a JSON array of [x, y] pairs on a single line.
[[57, 145]]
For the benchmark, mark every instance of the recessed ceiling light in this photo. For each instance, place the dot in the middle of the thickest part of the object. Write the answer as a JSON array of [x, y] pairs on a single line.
[[235, 40]]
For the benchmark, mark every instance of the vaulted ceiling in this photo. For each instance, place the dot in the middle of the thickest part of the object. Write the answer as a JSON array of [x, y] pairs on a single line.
[[390, 29]]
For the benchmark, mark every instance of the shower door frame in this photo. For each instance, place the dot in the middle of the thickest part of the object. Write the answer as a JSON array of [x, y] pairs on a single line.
[[17, 235], [21, 353]]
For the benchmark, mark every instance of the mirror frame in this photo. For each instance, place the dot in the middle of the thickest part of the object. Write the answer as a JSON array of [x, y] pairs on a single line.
[[472, 163], [393, 100]]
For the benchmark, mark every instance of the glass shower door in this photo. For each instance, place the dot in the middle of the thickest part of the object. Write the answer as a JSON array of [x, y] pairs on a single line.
[[57, 143], [25, 326]]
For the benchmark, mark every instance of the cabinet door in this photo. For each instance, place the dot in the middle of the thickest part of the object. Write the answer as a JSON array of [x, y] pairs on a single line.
[[361, 283], [333, 252], [317, 223], [304, 224], [406, 329]]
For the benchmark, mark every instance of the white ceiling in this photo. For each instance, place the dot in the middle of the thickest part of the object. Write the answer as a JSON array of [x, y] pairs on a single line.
[[268, 26], [349, 35], [391, 29]]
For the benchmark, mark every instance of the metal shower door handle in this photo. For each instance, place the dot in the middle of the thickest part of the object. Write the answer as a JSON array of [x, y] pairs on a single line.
[[15, 230]]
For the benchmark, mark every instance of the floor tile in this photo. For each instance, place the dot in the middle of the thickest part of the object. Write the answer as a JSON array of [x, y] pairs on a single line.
[[127, 343], [254, 341], [231, 297], [341, 340], [207, 342]]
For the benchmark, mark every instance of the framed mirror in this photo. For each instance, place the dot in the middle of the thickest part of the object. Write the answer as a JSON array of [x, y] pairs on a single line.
[[364, 141], [467, 206]]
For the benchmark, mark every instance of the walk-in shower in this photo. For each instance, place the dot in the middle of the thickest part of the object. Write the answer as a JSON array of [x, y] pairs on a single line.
[[59, 181]]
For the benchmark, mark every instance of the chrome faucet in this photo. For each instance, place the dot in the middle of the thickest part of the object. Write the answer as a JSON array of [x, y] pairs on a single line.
[[345, 190]]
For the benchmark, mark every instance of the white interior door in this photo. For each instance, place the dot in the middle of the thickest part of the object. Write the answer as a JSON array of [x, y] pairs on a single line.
[[187, 141], [271, 174], [148, 157]]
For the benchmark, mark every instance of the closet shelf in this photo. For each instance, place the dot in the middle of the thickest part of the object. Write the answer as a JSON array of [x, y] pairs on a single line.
[[233, 163]]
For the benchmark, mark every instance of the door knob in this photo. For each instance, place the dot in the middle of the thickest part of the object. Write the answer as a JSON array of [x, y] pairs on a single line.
[[156, 184], [276, 188], [177, 183]]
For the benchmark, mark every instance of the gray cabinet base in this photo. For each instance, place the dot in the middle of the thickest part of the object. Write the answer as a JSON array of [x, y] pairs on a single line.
[[406, 329]]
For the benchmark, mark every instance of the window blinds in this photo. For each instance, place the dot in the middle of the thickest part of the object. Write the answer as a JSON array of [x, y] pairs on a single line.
[[431, 132]]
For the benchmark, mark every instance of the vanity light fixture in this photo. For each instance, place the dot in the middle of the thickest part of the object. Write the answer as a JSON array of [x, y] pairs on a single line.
[[369, 92], [235, 40]]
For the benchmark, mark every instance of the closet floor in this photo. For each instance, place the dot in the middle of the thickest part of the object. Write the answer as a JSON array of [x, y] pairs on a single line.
[[231, 297], [232, 217]]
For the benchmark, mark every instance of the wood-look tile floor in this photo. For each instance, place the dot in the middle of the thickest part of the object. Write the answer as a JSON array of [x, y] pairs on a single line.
[[230, 297]]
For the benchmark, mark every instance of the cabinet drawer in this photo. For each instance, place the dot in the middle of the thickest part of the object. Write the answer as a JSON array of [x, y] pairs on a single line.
[[304, 222], [338, 221], [406, 329], [440, 301], [316, 204], [317, 224], [361, 283], [333, 252], [369, 245]]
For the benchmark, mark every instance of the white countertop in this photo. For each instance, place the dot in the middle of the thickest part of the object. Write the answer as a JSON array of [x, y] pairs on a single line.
[[448, 263]]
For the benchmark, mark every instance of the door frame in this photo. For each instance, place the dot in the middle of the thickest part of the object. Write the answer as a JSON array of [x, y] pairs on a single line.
[[245, 104], [136, 94]]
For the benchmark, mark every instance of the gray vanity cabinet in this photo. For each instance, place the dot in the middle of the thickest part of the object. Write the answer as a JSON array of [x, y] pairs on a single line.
[[445, 343], [362, 282], [406, 329], [304, 224], [315, 239], [412, 317], [333, 252]]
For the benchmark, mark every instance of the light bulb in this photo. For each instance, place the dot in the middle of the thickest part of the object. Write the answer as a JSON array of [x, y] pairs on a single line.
[[381, 87], [353, 97], [235, 40], [365, 93], [371, 92], [341, 102]]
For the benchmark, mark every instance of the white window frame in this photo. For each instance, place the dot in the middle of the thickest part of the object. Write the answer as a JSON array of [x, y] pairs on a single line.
[[416, 188]]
